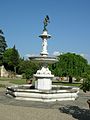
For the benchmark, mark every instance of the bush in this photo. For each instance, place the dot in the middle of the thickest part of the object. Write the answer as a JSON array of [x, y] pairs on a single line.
[[78, 79], [28, 74], [85, 86]]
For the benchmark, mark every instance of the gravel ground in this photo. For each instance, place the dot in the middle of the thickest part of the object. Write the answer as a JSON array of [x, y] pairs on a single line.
[[11, 109]]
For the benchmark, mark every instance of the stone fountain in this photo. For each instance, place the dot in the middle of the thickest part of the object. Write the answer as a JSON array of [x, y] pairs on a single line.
[[43, 89]]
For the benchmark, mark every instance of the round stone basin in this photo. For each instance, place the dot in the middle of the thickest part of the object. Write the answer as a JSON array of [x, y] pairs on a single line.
[[42, 59], [55, 88]]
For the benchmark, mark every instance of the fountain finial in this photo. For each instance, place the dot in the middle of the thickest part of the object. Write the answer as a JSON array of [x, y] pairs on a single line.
[[46, 21]]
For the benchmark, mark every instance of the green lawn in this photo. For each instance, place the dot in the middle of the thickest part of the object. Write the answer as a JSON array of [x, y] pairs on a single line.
[[2, 86], [67, 84], [18, 81], [5, 79], [23, 81], [14, 81]]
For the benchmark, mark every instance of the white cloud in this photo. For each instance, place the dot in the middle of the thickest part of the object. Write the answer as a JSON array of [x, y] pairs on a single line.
[[27, 55], [30, 55], [86, 56], [56, 53], [83, 55]]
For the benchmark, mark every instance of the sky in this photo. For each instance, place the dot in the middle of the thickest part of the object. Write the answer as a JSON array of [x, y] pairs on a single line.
[[22, 23]]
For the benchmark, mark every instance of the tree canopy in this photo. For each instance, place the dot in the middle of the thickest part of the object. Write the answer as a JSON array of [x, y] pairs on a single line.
[[70, 64], [3, 45], [28, 68], [11, 58]]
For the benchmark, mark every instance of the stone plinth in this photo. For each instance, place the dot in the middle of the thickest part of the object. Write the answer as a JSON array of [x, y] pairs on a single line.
[[43, 79]]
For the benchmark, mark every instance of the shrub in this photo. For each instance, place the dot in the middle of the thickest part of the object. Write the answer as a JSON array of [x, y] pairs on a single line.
[[85, 86], [28, 73]]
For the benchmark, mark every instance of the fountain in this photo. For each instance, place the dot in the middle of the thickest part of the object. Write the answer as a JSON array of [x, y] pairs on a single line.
[[43, 89]]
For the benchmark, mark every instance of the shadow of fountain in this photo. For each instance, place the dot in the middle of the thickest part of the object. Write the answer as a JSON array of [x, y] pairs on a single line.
[[76, 112]]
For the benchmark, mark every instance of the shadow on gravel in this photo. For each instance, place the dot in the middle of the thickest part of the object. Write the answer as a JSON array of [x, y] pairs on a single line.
[[76, 112]]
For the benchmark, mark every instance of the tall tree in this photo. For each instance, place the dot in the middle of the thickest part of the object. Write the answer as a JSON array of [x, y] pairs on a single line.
[[27, 67], [3, 45], [29, 71], [70, 65], [11, 58]]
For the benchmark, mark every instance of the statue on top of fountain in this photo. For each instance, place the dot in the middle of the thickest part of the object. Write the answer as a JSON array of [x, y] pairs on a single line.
[[46, 21]]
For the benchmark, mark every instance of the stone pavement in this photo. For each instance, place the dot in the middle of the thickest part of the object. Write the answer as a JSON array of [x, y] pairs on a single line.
[[11, 109]]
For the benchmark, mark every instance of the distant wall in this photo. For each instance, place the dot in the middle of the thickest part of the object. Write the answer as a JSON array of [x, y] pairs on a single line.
[[3, 72], [9, 74]]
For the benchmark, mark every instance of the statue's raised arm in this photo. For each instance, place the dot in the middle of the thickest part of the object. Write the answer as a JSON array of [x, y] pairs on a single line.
[[46, 21]]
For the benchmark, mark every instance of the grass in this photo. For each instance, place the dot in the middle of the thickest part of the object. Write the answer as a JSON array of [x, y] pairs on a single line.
[[18, 81], [14, 80], [5, 79], [2, 86], [23, 81], [67, 84]]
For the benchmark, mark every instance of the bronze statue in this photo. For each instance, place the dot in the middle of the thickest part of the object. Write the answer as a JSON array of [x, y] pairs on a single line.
[[46, 21], [1, 31]]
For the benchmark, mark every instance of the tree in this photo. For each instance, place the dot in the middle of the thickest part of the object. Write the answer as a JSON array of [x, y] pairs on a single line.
[[29, 73], [85, 86], [70, 65], [11, 59], [86, 83], [25, 65], [3, 45], [88, 69], [28, 68]]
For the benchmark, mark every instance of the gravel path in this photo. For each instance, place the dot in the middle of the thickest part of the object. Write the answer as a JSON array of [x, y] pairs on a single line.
[[8, 112], [11, 109]]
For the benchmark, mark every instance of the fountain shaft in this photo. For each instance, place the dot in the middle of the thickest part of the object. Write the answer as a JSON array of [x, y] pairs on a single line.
[[45, 36]]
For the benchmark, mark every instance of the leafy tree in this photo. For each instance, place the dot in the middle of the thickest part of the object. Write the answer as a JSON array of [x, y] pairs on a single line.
[[28, 73], [70, 65], [28, 68], [11, 59], [85, 86], [86, 83], [3, 45], [88, 69]]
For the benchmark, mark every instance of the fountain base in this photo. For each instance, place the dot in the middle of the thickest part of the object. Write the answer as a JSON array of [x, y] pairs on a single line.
[[58, 93], [43, 79]]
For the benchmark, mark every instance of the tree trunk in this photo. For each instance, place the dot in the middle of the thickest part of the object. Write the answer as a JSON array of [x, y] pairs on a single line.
[[70, 79], [88, 101]]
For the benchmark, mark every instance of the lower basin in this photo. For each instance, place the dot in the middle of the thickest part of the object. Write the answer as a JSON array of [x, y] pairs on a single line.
[[28, 92]]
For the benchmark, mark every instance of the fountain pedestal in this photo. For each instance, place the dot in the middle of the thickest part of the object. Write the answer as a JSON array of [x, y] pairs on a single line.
[[43, 79], [43, 84]]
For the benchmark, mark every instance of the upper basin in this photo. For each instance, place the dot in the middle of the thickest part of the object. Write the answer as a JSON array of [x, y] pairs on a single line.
[[43, 59]]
